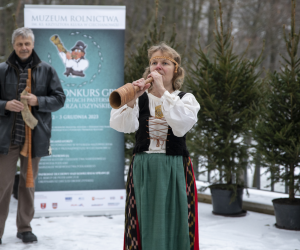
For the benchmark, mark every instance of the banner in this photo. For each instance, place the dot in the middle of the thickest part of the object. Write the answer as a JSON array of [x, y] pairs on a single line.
[[85, 45]]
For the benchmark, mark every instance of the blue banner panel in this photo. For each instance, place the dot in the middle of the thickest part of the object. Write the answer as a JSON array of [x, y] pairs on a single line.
[[86, 153]]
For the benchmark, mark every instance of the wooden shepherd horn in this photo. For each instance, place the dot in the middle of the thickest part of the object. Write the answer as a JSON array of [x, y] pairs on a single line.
[[124, 94], [29, 177], [24, 150]]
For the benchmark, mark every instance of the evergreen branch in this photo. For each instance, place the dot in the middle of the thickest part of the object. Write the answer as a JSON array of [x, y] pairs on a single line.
[[297, 63], [173, 36], [226, 86], [296, 42], [285, 59], [260, 57], [288, 49], [284, 35], [216, 26], [246, 50]]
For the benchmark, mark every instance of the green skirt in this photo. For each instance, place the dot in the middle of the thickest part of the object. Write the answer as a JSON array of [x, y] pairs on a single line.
[[161, 202]]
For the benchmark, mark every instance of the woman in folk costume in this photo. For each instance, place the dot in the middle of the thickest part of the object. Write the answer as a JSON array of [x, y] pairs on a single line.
[[161, 203]]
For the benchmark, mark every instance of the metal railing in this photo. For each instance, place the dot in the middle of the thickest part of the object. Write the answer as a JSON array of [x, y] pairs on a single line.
[[256, 184]]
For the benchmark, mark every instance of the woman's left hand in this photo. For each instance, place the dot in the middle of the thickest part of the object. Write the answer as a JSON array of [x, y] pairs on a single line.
[[158, 84]]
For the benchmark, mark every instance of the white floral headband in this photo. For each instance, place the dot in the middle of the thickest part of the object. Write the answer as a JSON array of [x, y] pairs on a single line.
[[168, 58]]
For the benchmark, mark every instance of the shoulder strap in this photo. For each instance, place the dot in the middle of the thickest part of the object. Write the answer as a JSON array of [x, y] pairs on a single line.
[[181, 94], [143, 100]]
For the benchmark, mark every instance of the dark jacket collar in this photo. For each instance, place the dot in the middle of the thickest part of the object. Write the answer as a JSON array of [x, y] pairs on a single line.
[[13, 57]]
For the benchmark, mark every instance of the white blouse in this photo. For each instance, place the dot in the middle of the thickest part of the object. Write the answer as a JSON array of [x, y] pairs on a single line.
[[179, 114]]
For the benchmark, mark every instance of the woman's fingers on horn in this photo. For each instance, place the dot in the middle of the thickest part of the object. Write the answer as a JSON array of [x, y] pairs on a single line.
[[135, 83], [140, 83], [147, 86]]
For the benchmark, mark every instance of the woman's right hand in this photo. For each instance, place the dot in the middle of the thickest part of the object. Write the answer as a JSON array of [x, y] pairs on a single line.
[[143, 87]]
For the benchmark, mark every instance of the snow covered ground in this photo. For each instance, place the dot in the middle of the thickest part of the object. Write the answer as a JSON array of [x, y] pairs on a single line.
[[253, 232]]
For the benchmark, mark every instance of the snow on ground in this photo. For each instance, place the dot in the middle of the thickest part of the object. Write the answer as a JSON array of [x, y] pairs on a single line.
[[253, 232]]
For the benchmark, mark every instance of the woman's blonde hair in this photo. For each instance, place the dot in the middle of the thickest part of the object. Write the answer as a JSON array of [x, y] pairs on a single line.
[[166, 50]]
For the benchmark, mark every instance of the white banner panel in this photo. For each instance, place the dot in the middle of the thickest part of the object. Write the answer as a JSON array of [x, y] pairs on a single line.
[[91, 202], [85, 45], [74, 17]]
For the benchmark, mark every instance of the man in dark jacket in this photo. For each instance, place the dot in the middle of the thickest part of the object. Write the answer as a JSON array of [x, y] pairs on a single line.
[[46, 96]]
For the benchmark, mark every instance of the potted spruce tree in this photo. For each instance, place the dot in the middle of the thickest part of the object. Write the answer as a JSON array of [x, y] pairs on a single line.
[[278, 131], [226, 85]]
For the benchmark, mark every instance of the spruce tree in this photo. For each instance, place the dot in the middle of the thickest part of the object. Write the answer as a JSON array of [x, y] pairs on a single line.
[[226, 85], [278, 130], [137, 61]]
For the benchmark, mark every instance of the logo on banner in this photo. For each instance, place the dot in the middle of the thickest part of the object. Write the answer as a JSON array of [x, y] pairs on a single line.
[[54, 205], [98, 198], [43, 205], [121, 197], [77, 205], [68, 198], [97, 205], [37, 197], [81, 198], [113, 204], [112, 198], [74, 60]]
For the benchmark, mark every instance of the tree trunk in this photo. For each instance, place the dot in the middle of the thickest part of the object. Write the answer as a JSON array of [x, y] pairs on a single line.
[[9, 27], [292, 182], [211, 22], [229, 14]]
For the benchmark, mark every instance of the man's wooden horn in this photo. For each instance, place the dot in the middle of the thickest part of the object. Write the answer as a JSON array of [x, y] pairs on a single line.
[[29, 176], [124, 94], [24, 150]]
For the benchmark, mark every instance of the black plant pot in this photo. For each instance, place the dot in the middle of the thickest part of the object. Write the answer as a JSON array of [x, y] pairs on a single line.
[[287, 213], [221, 201]]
